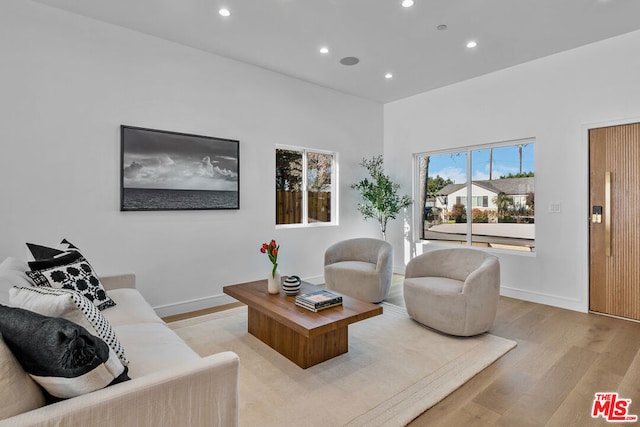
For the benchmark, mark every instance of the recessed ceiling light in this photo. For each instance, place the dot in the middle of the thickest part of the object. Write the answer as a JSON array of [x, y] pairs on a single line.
[[472, 44], [388, 76], [349, 60], [324, 50], [441, 27], [407, 3], [224, 12]]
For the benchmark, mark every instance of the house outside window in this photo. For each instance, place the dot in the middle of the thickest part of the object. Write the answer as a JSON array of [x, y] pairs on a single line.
[[306, 183], [499, 179], [476, 201]]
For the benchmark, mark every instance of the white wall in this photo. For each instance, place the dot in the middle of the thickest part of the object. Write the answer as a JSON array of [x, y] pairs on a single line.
[[66, 85], [555, 100]]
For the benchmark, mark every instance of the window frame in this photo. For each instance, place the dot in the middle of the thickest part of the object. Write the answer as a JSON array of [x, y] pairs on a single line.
[[305, 198], [468, 150]]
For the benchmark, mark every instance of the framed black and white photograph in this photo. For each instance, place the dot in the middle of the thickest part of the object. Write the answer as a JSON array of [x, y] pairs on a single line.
[[162, 170]]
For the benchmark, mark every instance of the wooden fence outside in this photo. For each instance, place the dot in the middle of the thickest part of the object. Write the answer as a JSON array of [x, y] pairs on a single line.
[[289, 206]]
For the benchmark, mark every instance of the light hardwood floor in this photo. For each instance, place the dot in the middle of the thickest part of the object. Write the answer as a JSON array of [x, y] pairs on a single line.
[[562, 359]]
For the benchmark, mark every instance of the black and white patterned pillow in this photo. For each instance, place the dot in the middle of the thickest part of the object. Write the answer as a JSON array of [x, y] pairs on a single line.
[[70, 271], [70, 305], [39, 252], [66, 245]]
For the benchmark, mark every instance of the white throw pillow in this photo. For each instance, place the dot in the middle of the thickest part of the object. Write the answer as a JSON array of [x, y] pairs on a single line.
[[12, 273]]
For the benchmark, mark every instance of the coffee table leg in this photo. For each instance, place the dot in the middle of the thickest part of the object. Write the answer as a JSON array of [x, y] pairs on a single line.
[[303, 351]]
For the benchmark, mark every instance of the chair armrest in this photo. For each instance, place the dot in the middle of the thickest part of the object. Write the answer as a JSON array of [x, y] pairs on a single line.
[[335, 253], [485, 280], [358, 249], [384, 262], [118, 281], [454, 263], [203, 393], [421, 266]]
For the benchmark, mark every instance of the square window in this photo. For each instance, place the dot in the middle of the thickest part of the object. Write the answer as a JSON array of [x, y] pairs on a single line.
[[498, 179], [305, 187]]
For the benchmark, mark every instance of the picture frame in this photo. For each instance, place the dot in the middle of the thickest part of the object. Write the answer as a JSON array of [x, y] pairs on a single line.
[[162, 170]]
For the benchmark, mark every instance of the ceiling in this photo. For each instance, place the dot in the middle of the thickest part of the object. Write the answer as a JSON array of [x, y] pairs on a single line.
[[285, 35]]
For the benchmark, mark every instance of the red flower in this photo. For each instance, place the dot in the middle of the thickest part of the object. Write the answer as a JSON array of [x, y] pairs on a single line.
[[271, 250]]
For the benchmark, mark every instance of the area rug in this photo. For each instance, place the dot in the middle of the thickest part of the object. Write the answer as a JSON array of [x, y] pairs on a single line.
[[395, 370]]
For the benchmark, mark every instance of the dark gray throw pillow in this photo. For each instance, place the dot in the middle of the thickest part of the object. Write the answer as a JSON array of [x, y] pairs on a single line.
[[61, 356]]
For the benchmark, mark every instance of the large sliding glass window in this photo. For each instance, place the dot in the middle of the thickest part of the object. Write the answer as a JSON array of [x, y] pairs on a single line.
[[305, 186], [498, 179]]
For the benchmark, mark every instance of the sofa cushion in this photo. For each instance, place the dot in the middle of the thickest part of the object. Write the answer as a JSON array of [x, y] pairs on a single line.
[[18, 392], [440, 285], [131, 307], [61, 356], [152, 347], [71, 306], [12, 273], [360, 266], [70, 271]]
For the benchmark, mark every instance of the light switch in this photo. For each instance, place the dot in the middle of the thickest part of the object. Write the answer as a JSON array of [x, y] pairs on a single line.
[[555, 207]]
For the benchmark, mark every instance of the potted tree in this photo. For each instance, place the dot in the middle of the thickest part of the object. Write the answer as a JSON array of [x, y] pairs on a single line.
[[379, 194]]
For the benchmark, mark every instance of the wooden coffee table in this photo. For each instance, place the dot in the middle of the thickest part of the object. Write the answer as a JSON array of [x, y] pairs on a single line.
[[302, 336]]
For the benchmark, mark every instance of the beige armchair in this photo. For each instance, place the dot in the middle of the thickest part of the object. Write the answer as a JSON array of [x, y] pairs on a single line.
[[454, 291], [361, 268]]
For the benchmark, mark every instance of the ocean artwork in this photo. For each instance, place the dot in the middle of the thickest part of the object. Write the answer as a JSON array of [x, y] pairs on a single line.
[[163, 170], [159, 199]]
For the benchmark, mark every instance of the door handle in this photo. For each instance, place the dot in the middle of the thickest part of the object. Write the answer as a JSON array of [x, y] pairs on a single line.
[[607, 213]]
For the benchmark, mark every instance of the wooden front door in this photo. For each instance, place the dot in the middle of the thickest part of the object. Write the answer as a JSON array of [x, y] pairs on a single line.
[[614, 238]]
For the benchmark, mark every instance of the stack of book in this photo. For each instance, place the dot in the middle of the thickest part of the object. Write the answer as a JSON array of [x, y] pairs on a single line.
[[318, 300]]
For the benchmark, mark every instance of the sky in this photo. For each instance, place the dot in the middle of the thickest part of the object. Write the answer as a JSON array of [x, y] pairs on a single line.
[[153, 159], [505, 160]]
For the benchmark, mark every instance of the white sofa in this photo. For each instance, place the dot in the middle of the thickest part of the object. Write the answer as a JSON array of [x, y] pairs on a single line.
[[171, 385]]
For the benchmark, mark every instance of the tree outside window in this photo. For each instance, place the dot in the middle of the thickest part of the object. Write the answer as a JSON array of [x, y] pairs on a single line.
[[305, 185]]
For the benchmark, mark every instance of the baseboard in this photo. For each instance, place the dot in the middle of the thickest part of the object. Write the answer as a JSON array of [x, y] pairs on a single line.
[[507, 291], [316, 280], [192, 305], [210, 301], [542, 298]]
